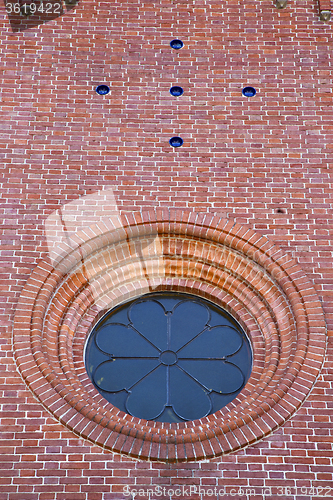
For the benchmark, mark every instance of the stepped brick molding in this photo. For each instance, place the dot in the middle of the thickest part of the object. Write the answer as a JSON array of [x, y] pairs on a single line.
[[123, 257]]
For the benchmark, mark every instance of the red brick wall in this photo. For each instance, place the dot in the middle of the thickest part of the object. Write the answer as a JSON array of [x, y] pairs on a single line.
[[263, 162]]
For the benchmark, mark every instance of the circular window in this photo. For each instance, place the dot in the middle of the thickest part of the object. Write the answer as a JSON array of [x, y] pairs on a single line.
[[168, 357], [176, 44], [102, 89], [249, 91], [176, 91], [176, 142]]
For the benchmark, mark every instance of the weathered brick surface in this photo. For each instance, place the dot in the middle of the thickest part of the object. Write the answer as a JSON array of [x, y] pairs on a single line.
[[263, 162]]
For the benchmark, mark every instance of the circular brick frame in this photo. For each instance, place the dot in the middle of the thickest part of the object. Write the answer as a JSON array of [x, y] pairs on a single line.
[[124, 257]]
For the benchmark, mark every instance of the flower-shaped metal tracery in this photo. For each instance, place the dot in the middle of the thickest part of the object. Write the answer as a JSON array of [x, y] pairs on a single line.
[[168, 357]]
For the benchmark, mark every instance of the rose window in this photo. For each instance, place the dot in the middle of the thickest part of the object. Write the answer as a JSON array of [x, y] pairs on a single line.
[[168, 357]]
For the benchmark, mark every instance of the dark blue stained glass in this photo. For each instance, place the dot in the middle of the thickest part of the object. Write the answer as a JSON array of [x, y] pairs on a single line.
[[102, 89], [214, 375], [213, 343], [176, 44], [120, 340], [150, 397], [168, 357], [189, 319], [176, 91], [176, 142], [154, 329], [249, 91], [118, 374], [189, 398]]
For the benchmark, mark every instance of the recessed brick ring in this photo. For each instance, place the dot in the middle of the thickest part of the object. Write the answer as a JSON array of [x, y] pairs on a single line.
[[124, 257]]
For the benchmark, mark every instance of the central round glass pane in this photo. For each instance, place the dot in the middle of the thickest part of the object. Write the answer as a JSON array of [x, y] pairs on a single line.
[[168, 357]]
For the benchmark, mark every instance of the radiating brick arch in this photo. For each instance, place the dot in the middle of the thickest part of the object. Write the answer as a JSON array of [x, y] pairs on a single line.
[[124, 257]]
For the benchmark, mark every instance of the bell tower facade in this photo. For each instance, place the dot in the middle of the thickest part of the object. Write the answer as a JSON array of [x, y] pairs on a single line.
[[166, 146]]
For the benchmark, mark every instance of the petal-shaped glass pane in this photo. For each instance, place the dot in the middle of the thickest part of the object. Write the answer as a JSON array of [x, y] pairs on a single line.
[[189, 399], [187, 320], [94, 357], [219, 318], [121, 374], [120, 340], [219, 400], [149, 318], [218, 342], [118, 315], [168, 415], [116, 398], [219, 376], [148, 397]]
